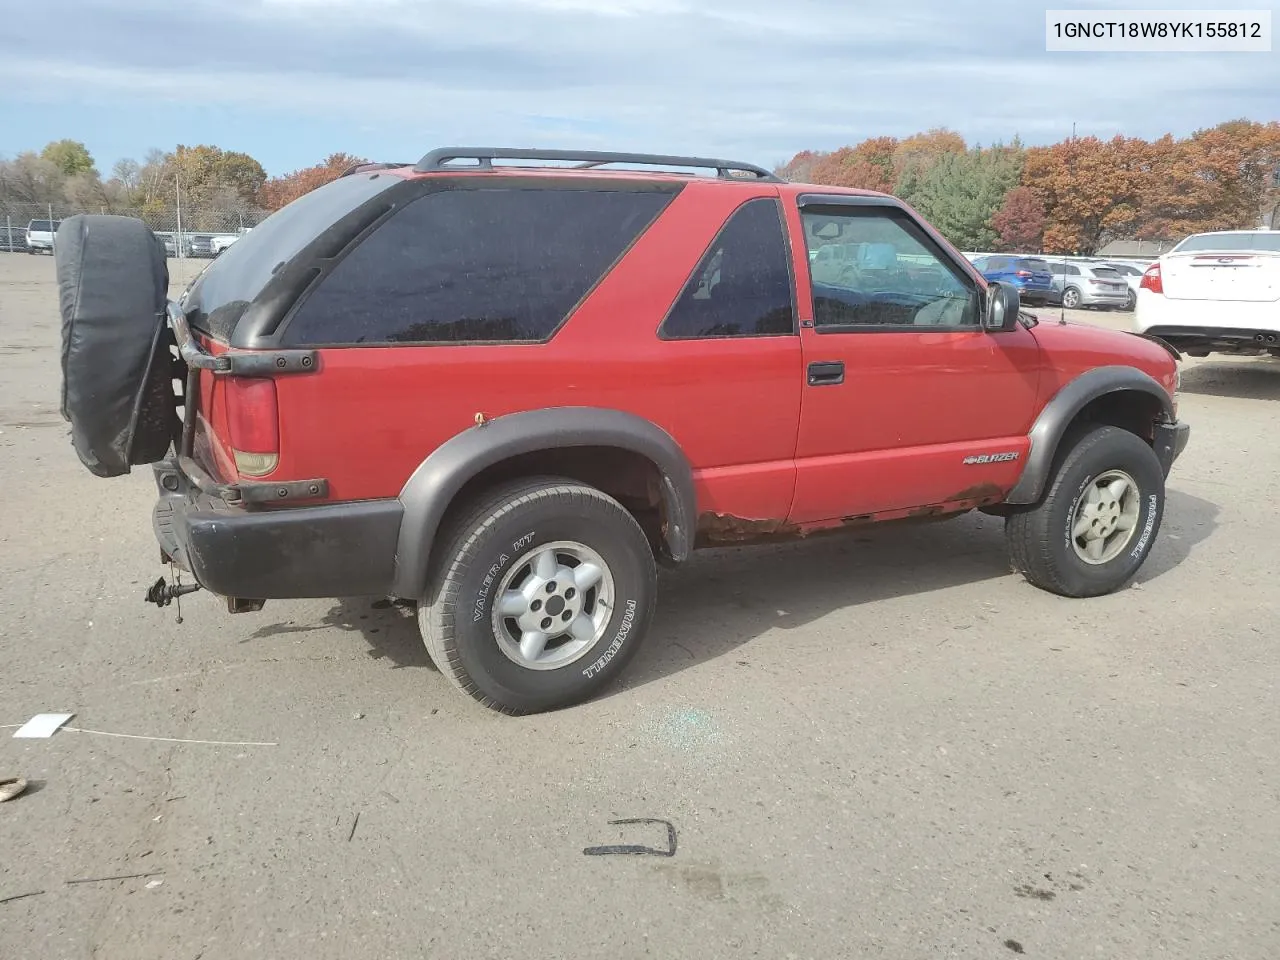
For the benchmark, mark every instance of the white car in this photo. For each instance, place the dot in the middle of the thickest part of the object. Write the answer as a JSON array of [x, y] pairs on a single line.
[[40, 235], [1215, 293], [220, 243]]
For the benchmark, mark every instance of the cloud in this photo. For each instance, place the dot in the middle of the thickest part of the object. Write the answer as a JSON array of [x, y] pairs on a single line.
[[752, 77]]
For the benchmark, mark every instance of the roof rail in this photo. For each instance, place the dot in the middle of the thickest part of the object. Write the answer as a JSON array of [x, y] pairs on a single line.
[[440, 160], [366, 167]]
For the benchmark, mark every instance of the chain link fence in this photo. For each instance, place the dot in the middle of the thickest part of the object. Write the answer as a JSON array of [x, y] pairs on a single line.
[[186, 232]]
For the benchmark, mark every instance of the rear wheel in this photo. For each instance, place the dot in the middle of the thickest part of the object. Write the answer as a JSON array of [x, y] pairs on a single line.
[[539, 596], [1097, 522]]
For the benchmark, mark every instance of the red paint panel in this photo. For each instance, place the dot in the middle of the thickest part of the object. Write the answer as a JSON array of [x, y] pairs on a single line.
[[727, 403], [854, 484]]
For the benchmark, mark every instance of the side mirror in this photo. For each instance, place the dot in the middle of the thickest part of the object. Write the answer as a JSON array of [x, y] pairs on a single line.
[[1000, 312]]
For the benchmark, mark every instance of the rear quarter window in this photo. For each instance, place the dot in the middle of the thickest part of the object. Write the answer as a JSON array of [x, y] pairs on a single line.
[[481, 265], [220, 295]]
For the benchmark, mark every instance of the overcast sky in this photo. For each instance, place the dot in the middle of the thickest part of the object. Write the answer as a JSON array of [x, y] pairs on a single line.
[[290, 81]]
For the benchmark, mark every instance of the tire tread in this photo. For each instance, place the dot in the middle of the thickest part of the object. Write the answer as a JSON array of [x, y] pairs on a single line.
[[436, 611]]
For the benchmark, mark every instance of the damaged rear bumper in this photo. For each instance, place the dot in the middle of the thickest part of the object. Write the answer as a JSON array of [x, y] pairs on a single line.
[[330, 550]]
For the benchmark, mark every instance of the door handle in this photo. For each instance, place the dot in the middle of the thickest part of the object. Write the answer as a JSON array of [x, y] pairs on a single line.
[[826, 373]]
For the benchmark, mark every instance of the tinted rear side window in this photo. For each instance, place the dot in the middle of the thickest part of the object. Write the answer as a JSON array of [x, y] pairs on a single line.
[[475, 265], [742, 285]]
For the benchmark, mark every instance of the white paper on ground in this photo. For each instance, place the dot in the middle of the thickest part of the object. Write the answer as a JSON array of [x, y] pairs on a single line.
[[43, 725]]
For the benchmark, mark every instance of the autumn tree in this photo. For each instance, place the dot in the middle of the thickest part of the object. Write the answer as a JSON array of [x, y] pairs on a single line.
[[71, 157], [279, 191], [799, 169], [1223, 178], [868, 166], [1091, 190], [1019, 223], [29, 178]]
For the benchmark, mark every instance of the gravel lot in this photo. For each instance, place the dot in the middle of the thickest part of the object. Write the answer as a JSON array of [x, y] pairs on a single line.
[[885, 746]]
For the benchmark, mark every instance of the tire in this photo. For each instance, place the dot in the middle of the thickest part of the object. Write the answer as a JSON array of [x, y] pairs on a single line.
[[1071, 298], [490, 551], [1042, 544], [117, 368], [1131, 301]]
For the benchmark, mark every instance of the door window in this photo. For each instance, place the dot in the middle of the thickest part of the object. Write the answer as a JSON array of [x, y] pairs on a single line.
[[894, 276]]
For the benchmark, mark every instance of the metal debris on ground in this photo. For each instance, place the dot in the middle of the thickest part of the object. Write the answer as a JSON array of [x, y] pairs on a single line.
[[123, 876], [21, 896], [628, 848]]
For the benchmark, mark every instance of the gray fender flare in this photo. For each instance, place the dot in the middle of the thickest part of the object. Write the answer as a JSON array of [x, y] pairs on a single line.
[[439, 478], [1047, 432]]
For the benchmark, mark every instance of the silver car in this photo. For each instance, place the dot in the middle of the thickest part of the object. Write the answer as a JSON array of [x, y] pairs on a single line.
[[1089, 284], [1132, 274]]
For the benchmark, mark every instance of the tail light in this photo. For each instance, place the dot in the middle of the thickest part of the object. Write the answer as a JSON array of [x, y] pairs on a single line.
[[1022, 273], [1151, 279], [254, 424]]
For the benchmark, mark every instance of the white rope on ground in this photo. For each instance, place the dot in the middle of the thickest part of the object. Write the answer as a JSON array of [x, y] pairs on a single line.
[[134, 736], [213, 743]]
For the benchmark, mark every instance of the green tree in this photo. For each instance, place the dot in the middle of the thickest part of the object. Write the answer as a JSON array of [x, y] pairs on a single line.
[[71, 157], [961, 193]]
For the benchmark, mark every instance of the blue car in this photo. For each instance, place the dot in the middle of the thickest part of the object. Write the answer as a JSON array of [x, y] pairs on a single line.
[[1031, 276]]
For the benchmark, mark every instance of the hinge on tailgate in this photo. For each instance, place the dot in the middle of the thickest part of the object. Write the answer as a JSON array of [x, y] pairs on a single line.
[[259, 363]]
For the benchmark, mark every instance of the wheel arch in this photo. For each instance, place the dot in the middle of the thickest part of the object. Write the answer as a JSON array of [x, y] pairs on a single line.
[[1121, 396], [603, 447]]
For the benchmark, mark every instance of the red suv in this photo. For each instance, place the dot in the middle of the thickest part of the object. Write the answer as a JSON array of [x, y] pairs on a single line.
[[505, 391]]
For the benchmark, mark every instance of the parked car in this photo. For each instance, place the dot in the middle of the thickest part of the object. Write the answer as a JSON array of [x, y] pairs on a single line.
[[200, 245], [1215, 293], [635, 365], [1084, 284], [1132, 277], [171, 246], [40, 235], [1030, 276], [222, 242]]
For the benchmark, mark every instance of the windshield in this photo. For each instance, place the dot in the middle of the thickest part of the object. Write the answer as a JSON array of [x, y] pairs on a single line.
[[1035, 266], [1268, 240], [1107, 272], [42, 226]]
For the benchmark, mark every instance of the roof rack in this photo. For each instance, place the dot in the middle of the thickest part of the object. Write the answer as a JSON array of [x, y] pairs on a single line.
[[366, 167], [441, 160]]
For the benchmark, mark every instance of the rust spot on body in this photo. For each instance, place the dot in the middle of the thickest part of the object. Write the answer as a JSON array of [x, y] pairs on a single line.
[[721, 529], [982, 491]]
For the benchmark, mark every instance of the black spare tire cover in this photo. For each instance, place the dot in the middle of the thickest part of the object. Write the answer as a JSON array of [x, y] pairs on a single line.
[[117, 367]]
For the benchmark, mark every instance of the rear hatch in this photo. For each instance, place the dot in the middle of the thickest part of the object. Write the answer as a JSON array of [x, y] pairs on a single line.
[[1109, 281], [1034, 273], [235, 432], [1241, 267]]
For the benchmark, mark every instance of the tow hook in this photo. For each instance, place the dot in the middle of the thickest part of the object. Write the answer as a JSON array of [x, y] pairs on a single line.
[[162, 593]]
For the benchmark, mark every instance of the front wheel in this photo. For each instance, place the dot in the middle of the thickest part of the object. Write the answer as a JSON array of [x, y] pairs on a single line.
[[1071, 298], [539, 596], [1097, 522]]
